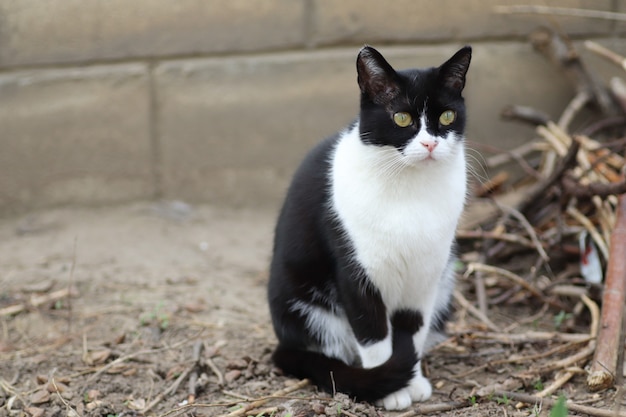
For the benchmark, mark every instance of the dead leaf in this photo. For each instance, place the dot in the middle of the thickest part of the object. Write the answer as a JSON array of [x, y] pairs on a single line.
[[93, 405], [230, 376], [120, 339], [137, 404], [56, 386], [40, 397], [120, 368], [237, 364], [6, 347], [34, 411], [194, 307], [97, 357], [93, 394]]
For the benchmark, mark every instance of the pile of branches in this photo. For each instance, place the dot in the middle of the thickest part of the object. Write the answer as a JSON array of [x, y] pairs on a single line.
[[569, 222]]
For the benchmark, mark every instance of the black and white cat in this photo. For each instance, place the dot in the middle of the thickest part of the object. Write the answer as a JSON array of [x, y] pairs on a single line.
[[361, 276]]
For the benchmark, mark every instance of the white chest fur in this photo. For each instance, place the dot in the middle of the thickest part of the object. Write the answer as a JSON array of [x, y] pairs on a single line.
[[400, 216]]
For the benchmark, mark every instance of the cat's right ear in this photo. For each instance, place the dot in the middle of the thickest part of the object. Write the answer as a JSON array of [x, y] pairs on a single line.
[[377, 79], [452, 72]]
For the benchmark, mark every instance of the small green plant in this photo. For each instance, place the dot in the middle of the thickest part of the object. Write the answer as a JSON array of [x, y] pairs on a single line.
[[538, 385], [560, 318], [472, 400], [560, 408], [503, 400], [156, 316]]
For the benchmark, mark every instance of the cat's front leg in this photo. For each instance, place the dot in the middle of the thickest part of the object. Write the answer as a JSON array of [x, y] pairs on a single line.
[[399, 400], [420, 388], [367, 315]]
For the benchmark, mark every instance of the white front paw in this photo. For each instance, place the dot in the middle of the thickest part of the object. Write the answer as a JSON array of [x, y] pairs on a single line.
[[399, 400], [419, 388]]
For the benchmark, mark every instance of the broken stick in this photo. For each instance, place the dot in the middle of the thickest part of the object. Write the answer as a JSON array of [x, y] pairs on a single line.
[[38, 300], [560, 50], [604, 365], [295, 387]]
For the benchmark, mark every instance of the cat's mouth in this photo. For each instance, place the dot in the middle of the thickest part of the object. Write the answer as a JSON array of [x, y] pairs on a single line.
[[413, 159]]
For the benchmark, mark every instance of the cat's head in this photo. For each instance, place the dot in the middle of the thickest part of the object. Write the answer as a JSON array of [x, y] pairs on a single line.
[[419, 112]]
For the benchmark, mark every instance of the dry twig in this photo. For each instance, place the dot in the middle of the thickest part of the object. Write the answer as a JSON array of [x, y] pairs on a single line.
[[170, 390], [568, 372], [561, 52], [421, 409], [37, 301], [533, 399], [243, 410], [475, 312], [130, 356], [525, 114], [193, 378], [606, 53], [496, 235], [472, 267], [529, 337], [604, 366]]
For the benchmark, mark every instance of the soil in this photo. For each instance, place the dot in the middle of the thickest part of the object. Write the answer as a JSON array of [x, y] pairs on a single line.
[[166, 292]]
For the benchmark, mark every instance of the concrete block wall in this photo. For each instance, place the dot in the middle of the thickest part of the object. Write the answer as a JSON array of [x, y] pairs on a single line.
[[103, 101]]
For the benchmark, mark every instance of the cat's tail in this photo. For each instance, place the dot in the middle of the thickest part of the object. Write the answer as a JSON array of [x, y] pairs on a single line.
[[333, 375]]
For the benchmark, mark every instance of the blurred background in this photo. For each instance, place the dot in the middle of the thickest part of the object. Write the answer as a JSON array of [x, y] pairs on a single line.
[[107, 101]]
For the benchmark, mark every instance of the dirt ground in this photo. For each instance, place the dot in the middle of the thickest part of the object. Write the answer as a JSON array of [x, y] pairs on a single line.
[[165, 293]]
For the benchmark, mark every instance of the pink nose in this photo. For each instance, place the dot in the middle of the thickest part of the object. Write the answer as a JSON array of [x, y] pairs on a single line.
[[429, 144]]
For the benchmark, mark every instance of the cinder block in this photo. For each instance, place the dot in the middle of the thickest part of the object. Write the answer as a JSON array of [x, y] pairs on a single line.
[[53, 31], [234, 129], [369, 21], [75, 136]]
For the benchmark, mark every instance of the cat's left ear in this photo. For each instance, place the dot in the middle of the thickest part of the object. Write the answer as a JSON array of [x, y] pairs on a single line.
[[452, 72]]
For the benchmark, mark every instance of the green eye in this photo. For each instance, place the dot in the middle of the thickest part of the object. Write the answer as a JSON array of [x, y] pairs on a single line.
[[402, 119], [447, 117]]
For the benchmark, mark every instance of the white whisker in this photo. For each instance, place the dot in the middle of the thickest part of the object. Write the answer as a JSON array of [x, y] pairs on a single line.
[[479, 164]]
